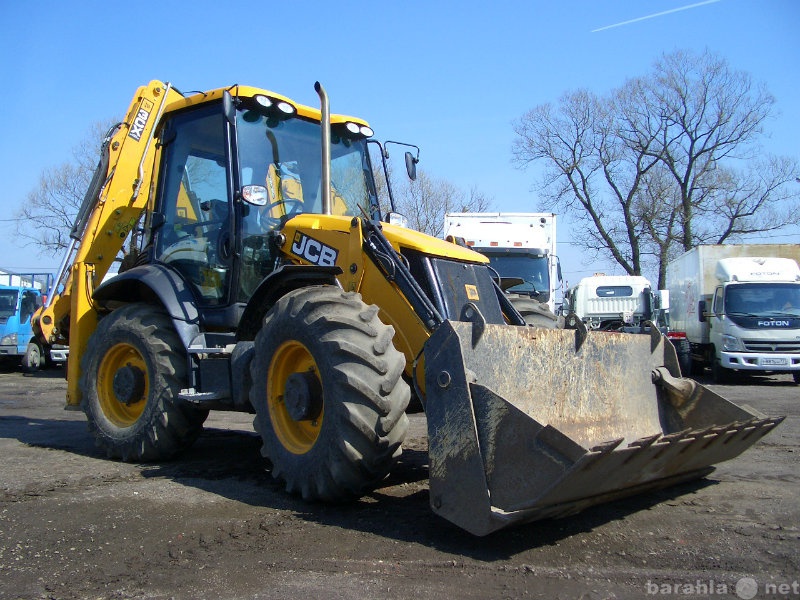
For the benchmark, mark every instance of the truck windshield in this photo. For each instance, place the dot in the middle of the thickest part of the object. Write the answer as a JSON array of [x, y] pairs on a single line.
[[763, 299], [284, 156], [533, 270], [8, 303]]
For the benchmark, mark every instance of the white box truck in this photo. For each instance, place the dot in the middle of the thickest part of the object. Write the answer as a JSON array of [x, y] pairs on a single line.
[[522, 250], [739, 306]]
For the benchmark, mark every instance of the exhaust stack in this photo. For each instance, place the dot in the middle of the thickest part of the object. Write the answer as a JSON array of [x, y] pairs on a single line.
[[325, 123]]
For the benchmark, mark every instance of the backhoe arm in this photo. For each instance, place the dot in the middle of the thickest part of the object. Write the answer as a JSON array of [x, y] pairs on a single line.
[[118, 194]]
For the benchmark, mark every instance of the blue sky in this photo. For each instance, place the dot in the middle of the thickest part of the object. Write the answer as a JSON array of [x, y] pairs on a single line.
[[449, 77]]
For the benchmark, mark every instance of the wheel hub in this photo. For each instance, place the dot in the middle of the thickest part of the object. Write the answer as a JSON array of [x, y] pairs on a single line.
[[302, 396], [129, 384]]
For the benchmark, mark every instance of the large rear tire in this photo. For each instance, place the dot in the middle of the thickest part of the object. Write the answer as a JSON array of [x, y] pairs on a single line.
[[328, 393], [132, 372]]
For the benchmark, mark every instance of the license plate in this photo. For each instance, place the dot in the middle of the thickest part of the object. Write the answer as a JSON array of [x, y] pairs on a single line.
[[774, 361]]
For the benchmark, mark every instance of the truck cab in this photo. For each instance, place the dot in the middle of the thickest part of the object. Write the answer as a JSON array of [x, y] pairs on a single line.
[[754, 315], [612, 302], [521, 248], [20, 297]]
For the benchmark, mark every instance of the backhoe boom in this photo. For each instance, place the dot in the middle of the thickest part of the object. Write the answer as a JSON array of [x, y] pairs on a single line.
[[111, 210]]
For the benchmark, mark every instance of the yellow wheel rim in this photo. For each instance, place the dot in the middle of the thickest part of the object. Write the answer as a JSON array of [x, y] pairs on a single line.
[[121, 414], [297, 437]]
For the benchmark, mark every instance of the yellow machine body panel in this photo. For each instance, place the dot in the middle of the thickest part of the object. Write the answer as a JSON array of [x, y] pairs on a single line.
[[336, 241]]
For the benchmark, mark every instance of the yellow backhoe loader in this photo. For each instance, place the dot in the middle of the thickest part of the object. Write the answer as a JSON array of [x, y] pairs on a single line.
[[261, 276]]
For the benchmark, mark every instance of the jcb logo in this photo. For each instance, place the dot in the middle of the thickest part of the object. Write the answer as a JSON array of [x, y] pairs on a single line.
[[314, 251], [139, 122]]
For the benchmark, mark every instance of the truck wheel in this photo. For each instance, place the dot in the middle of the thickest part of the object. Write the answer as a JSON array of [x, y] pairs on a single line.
[[685, 363], [536, 313], [720, 374], [133, 369], [796, 377], [32, 359], [683, 351], [696, 368], [328, 393]]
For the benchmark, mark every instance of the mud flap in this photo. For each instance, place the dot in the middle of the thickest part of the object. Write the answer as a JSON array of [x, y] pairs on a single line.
[[527, 423]]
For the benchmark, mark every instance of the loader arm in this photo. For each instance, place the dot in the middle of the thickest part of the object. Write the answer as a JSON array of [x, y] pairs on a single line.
[[111, 209]]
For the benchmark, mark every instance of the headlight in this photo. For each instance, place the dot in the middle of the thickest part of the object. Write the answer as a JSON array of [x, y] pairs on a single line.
[[286, 108], [731, 344], [9, 340], [276, 106], [352, 131]]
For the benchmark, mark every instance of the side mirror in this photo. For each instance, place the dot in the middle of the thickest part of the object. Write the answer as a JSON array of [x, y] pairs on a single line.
[[255, 195], [228, 107], [701, 311], [411, 166]]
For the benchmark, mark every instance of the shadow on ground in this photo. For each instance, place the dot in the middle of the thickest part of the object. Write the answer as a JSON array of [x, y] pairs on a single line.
[[228, 463]]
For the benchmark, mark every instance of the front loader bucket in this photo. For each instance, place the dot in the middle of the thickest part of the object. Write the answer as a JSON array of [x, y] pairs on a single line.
[[527, 423]]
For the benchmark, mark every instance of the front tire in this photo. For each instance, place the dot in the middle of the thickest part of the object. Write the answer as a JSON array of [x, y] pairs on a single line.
[[720, 374], [32, 359], [132, 372], [328, 393]]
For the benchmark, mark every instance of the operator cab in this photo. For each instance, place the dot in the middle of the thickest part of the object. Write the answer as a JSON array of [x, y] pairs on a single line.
[[232, 174]]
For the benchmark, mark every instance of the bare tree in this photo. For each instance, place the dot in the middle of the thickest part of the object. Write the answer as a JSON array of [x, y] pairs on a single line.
[[591, 170], [659, 205], [48, 213], [426, 200], [663, 163], [712, 119]]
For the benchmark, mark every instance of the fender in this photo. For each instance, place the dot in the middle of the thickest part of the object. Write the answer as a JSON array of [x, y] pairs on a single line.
[[154, 282], [278, 283]]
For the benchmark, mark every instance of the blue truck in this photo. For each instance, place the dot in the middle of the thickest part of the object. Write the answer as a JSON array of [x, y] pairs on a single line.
[[21, 294]]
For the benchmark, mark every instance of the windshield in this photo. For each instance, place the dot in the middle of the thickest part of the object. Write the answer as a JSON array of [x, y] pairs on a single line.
[[8, 303], [533, 270], [284, 157], [763, 300]]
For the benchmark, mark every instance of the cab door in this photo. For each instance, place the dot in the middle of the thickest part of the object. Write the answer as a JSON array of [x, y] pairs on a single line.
[[716, 320], [194, 203]]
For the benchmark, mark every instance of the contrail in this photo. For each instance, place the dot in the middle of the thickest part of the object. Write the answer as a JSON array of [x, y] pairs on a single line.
[[660, 14]]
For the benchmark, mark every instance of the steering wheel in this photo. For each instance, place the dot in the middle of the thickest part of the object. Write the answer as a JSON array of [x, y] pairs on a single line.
[[293, 207]]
